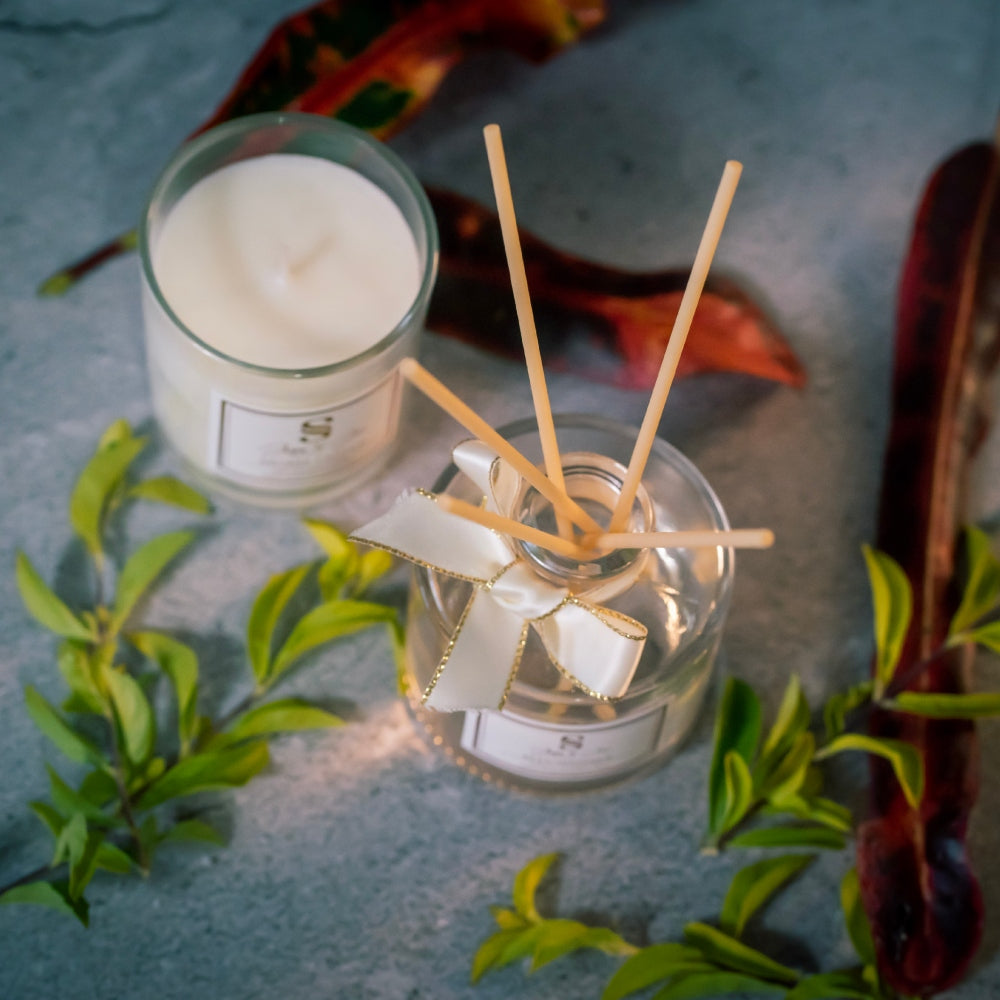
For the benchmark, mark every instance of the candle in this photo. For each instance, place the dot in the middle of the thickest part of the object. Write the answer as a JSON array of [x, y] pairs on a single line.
[[287, 263]]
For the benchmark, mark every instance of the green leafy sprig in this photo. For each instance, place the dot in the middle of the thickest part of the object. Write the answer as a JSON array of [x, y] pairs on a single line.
[[136, 768], [781, 779], [765, 791], [710, 961]]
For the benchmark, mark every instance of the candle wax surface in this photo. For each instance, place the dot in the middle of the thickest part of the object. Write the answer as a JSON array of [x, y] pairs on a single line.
[[287, 261]]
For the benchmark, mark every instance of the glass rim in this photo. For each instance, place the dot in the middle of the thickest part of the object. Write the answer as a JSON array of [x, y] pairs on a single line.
[[316, 123]]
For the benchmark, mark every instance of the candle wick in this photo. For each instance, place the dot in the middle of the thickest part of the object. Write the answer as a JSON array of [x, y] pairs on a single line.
[[308, 259]]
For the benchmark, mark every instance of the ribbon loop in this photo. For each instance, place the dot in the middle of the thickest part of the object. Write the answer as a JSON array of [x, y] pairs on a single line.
[[595, 647]]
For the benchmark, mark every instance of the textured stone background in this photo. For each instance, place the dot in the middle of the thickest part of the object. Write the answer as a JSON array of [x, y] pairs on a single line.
[[362, 865]]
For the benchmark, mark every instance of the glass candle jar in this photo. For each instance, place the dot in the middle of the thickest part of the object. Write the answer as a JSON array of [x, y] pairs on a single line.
[[287, 266], [550, 735]]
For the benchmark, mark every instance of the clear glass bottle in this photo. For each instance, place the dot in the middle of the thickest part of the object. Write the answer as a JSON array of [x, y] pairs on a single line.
[[551, 736]]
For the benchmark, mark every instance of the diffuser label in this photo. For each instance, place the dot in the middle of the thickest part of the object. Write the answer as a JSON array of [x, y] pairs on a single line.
[[301, 448], [551, 752]]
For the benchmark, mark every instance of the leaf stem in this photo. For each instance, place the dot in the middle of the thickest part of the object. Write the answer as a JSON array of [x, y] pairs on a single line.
[[141, 856], [33, 876]]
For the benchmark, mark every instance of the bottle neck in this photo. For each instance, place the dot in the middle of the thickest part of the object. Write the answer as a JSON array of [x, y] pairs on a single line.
[[595, 482]]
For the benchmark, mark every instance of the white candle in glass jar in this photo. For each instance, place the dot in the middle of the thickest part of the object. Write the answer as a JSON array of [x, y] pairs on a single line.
[[288, 262]]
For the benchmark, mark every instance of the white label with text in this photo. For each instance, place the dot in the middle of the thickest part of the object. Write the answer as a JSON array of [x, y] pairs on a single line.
[[301, 448], [550, 752]]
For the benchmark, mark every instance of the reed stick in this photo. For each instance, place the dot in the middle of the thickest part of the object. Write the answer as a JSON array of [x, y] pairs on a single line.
[[737, 538], [436, 391], [525, 313], [678, 335]]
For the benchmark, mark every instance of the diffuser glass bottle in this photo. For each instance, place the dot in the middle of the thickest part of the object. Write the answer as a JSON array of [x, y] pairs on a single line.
[[550, 735]]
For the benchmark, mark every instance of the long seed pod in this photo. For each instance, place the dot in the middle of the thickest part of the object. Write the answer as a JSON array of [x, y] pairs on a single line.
[[918, 887]]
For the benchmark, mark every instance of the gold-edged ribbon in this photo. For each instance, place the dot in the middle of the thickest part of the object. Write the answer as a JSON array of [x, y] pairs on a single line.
[[598, 649]]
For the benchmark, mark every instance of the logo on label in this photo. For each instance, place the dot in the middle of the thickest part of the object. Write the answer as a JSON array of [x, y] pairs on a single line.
[[317, 430], [571, 742]]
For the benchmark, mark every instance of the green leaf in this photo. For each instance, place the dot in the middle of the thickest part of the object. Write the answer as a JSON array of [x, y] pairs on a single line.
[[342, 562], [987, 635], [501, 949], [820, 837], [46, 608], [337, 546], [507, 920], [75, 667], [652, 965], [68, 801], [790, 774], [397, 637], [727, 951], [815, 809], [737, 730], [843, 985], [371, 566], [180, 663], [332, 578], [284, 716], [114, 434], [945, 706], [561, 937], [192, 831], [892, 601], [856, 919], [145, 776], [754, 885], [739, 790], [78, 846], [903, 757], [73, 744], [100, 478], [54, 895], [135, 716], [71, 840], [526, 884], [113, 859], [143, 567], [839, 705], [326, 623], [99, 788], [228, 768], [716, 984], [54, 820], [264, 615], [170, 490], [982, 588], [792, 719]]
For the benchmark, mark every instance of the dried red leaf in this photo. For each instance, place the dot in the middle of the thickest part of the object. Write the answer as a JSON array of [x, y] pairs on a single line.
[[376, 63], [917, 884], [600, 322], [373, 63]]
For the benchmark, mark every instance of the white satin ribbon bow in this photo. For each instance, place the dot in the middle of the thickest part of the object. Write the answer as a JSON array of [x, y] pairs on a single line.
[[596, 648]]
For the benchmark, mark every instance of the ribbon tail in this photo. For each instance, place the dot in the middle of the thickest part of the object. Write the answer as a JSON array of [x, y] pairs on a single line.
[[482, 657], [417, 529], [597, 649]]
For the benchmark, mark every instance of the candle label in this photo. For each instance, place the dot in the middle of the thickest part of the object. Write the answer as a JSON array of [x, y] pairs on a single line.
[[304, 447], [548, 752]]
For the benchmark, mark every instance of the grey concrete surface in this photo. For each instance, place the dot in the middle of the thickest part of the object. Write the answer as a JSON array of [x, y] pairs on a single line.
[[362, 864]]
